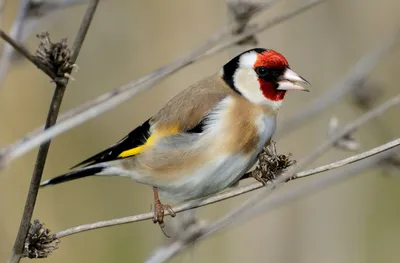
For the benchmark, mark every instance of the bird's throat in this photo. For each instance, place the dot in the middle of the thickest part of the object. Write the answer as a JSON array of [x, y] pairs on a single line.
[[269, 91]]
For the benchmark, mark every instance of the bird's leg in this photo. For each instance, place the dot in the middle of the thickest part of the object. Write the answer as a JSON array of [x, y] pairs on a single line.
[[159, 210]]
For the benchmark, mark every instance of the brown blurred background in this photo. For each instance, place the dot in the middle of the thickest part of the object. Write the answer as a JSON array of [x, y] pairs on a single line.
[[354, 221]]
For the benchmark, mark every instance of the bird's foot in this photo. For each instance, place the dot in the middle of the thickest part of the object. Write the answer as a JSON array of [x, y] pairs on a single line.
[[159, 212]]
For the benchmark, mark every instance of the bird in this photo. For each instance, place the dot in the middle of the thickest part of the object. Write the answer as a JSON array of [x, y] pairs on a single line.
[[206, 137]]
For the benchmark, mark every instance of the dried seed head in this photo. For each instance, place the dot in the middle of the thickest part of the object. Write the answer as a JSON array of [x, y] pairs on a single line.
[[271, 164], [56, 56], [39, 243]]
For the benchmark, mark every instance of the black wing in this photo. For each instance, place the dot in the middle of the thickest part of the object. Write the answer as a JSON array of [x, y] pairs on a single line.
[[135, 138]]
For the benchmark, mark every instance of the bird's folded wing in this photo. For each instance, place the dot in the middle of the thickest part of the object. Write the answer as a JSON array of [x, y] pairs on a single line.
[[185, 113], [133, 143]]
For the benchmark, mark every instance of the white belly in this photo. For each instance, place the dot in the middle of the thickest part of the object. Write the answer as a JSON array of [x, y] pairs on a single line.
[[220, 172]]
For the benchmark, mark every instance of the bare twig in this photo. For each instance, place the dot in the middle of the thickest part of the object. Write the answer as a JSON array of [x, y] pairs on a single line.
[[258, 201], [55, 105], [119, 95], [230, 193], [162, 254], [353, 80]]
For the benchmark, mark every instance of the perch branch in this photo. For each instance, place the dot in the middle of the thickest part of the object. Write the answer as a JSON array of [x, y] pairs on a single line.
[[55, 105], [111, 99], [281, 198], [259, 200], [228, 194]]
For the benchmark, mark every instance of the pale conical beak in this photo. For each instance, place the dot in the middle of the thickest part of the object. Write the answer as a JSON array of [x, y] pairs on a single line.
[[290, 80]]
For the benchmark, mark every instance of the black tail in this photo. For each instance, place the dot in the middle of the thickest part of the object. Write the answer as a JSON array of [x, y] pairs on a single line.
[[80, 173]]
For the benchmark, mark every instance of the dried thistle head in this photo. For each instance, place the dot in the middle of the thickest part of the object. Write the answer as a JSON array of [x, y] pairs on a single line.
[[271, 164], [56, 56], [39, 243]]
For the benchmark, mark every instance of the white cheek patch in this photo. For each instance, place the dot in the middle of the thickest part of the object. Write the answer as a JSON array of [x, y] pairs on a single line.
[[246, 81]]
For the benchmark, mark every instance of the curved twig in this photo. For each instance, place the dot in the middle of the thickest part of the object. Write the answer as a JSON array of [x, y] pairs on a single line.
[[228, 194], [162, 254]]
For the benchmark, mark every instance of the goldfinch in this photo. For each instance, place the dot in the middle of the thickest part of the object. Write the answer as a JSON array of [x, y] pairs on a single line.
[[205, 138]]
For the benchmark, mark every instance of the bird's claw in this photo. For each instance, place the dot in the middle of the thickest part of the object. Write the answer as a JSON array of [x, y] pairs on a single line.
[[159, 212]]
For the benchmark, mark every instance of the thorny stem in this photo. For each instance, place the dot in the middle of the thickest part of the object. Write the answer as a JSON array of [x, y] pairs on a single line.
[[44, 148]]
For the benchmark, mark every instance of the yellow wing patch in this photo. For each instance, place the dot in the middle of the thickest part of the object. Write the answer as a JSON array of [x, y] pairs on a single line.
[[170, 130]]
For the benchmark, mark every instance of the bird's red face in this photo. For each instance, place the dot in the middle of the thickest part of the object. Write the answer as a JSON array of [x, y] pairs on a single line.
[[262, 76]]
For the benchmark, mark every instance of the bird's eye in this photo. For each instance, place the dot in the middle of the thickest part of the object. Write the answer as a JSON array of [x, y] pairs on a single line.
[[262, 71]]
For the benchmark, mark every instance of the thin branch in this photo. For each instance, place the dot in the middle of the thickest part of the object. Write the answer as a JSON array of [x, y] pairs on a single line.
[[119, 95], [254, 204], [228, 194], [82, 32], [165, 253], [55, 105]]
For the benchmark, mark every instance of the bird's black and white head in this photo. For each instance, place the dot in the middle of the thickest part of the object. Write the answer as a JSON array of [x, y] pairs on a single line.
[[262, 76]]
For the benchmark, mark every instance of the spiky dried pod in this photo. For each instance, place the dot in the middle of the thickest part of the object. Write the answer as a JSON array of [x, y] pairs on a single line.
[[39, 243]]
